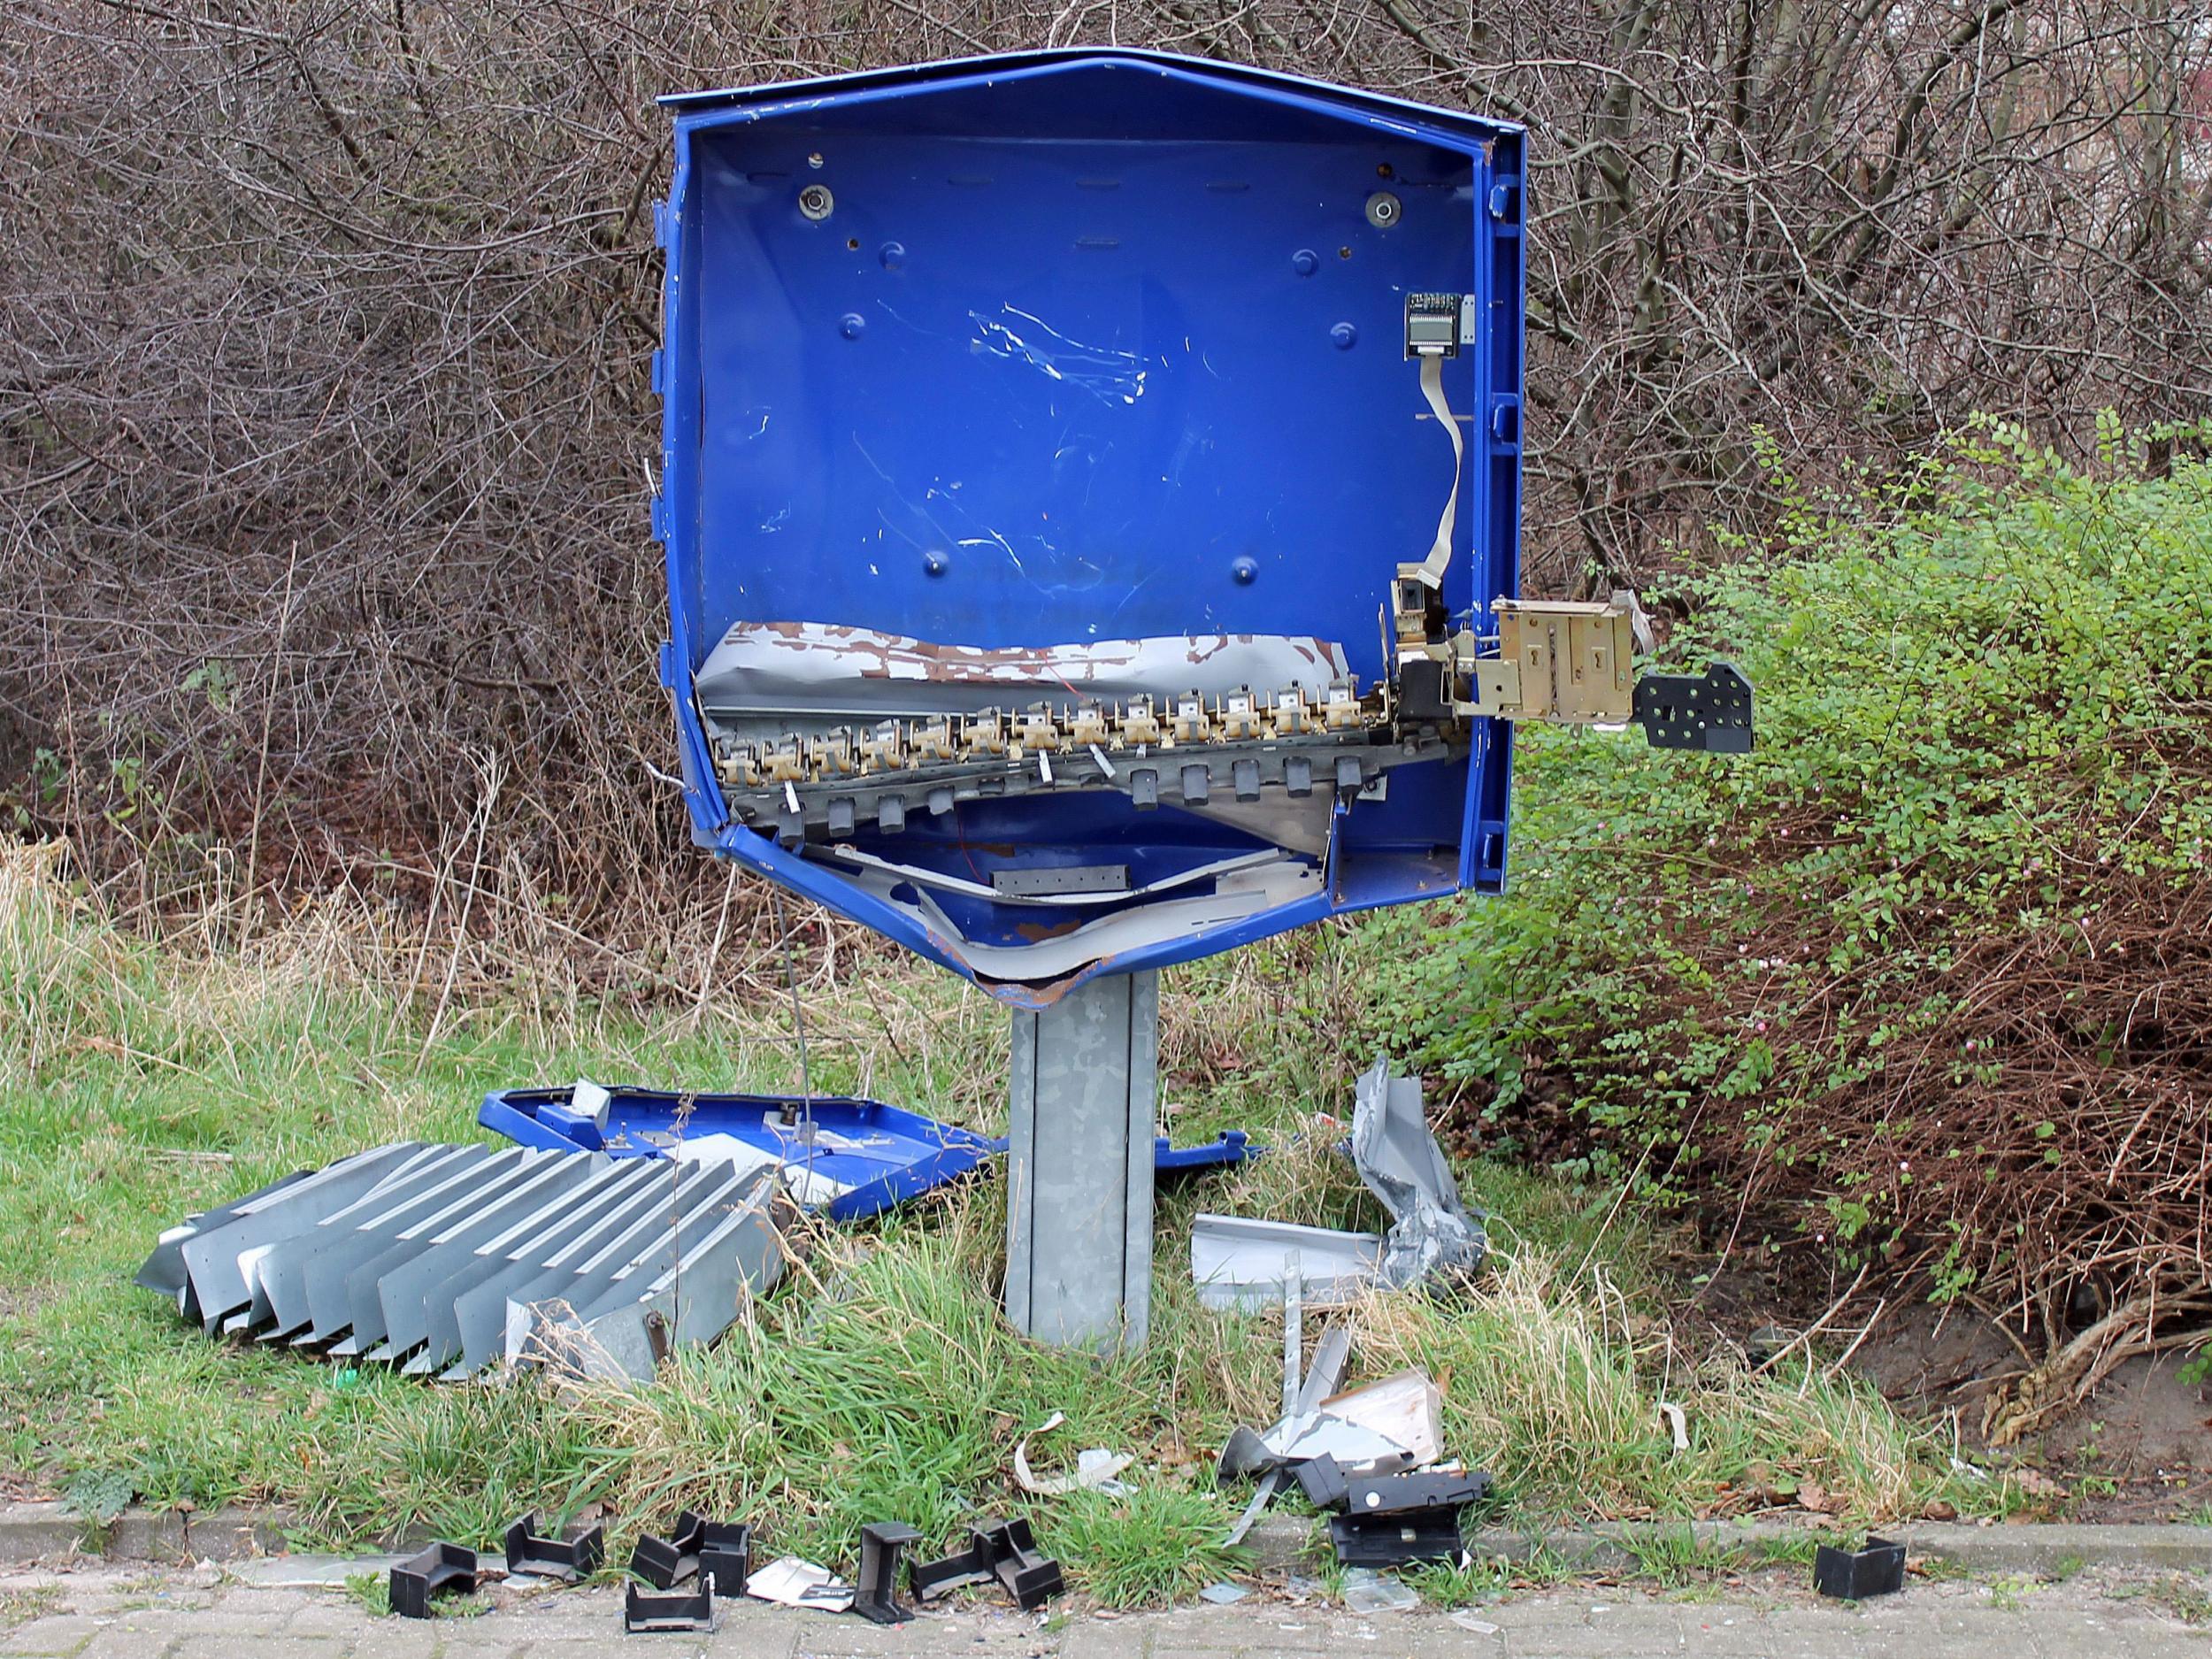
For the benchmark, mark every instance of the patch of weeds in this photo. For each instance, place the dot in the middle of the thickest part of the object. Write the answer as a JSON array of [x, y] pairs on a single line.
[[2182, 1596], [20, 1607], [1441, 1584], [372, 1591], [1796, 1550], [2011, 1591], [99, 1498], [1146, 1546], [1675, 1557], [1941, 1570]]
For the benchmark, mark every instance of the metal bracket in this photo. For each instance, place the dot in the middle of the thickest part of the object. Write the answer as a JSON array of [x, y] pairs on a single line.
[[1709, 712], [1559, 660]]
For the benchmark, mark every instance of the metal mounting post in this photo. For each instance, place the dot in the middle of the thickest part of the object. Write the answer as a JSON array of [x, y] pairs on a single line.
[[1078, 1195]]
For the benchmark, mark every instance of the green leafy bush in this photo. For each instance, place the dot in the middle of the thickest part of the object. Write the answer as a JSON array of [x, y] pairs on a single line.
[[1903, 981]]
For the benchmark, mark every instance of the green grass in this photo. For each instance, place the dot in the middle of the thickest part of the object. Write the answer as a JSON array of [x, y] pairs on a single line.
[[137, 1082]]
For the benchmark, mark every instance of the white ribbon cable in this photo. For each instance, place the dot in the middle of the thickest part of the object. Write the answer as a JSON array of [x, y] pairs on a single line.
[[1432, 389]]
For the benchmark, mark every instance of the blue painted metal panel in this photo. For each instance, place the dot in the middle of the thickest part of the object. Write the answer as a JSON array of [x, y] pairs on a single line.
[[883, 1153], [1093, 345]]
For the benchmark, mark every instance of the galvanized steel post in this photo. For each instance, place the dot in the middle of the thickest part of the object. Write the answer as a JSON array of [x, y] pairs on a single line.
[[1079, 1194]]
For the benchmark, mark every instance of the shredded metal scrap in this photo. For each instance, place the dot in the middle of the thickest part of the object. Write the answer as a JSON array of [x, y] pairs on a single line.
[[447, 1260]]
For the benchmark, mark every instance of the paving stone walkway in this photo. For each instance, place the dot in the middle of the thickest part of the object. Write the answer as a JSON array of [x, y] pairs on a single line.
[[102, 1613]]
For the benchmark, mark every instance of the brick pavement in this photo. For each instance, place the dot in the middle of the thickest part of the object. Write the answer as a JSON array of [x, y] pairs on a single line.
[[102, 1613]]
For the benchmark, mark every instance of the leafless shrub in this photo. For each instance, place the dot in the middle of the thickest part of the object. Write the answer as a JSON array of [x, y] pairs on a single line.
[[325, 438]]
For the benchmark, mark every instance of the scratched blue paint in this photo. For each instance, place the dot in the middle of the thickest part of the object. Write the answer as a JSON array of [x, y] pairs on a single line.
[[1066, 360]]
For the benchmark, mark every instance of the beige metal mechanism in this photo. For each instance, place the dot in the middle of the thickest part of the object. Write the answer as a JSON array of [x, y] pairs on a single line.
[[1568, 662]]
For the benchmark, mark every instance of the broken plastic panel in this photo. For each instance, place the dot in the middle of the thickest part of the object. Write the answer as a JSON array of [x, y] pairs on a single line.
[[1044, 438], [864, 1157]]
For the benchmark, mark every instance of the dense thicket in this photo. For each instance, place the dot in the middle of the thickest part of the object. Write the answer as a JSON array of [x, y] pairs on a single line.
[[1919, 995], [325, 435]]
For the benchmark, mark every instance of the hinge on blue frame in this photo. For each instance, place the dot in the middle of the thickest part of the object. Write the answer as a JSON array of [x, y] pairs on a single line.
[[660, 374], [660, 518], [668, 664], [660, 225], [1505, 420], [1505, 200]]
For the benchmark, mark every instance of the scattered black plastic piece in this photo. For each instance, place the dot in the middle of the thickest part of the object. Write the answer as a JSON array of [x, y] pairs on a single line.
[[1391, 1541], [875, 1596], [1322, 1480], [929, 1580], [565, 1559], [726, 1555], [1853, 1575], [665, 1563], [684, 1610], [1030, 1579], [1003, 1550], [1397, 1494], [1711, 710], [439, 1569]]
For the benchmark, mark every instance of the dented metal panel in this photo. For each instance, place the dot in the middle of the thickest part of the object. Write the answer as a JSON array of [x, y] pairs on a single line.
[[407, 1254]]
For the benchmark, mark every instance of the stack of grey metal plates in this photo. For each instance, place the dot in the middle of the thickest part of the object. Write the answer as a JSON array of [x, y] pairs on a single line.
[[445, 1261]]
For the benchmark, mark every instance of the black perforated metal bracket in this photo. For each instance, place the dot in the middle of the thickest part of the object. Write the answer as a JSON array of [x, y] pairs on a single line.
[[565, 1559], [439, 1570], [1709, 712], [685, 1609]]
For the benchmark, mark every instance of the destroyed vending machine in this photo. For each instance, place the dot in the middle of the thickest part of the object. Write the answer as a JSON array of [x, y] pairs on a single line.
[[1090, 489]]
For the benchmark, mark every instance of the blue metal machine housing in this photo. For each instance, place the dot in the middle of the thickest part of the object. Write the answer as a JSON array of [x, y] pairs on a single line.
[[1071, 355]]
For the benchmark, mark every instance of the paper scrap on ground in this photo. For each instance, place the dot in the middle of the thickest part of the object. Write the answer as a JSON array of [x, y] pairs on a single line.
[[1468, 1621], [1096, 1467], [1223, 1594], [1678, 1424], [795, 1583]]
